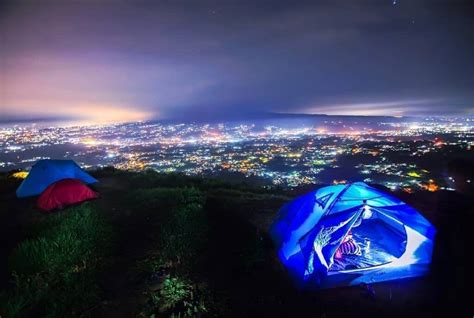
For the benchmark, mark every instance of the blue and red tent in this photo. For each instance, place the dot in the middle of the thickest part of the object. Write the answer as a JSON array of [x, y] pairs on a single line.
[[47, 171], [60, 183]]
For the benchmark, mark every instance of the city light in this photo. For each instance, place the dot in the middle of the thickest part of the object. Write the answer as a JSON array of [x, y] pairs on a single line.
[[284, 156]]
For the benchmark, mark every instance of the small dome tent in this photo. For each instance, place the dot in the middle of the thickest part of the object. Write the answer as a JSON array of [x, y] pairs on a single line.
[[63, 193], [350, 234], [45, 172]]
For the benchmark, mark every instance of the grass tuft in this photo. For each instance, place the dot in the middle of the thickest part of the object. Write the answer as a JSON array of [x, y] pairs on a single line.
[[54, 273]]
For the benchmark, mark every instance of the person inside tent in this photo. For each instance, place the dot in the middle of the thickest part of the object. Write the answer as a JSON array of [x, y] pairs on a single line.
[[349, 245]]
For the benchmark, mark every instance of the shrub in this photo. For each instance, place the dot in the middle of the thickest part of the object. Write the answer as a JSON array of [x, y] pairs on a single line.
[[174, 292], [182, 236], [177, 297]]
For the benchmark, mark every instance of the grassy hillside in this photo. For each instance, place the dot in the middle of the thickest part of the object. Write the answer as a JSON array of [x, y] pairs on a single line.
[[157, 245]]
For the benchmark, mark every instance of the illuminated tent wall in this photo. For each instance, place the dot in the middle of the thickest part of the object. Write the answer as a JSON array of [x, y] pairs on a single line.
[[46, 172], [395, 240]]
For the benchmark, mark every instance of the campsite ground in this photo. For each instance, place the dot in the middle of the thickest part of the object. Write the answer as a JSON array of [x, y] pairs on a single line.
[[227, 267]]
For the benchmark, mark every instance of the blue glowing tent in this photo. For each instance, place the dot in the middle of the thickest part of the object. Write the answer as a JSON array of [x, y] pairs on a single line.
[[45, 172], [350, 234]]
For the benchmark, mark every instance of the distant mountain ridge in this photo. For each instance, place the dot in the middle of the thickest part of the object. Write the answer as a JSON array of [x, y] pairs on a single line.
[[277, 116]]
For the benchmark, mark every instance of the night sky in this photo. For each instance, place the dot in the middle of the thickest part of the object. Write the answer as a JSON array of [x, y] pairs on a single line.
[[130, 60]]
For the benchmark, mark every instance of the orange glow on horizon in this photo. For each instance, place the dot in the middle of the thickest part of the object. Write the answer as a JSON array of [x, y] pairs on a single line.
[[109, 114], [85, 113]]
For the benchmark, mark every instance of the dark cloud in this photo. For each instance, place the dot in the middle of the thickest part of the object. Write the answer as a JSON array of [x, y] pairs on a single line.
[[226, 59]]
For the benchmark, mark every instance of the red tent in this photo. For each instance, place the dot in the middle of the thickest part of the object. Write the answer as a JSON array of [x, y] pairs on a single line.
[[63, 193]]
